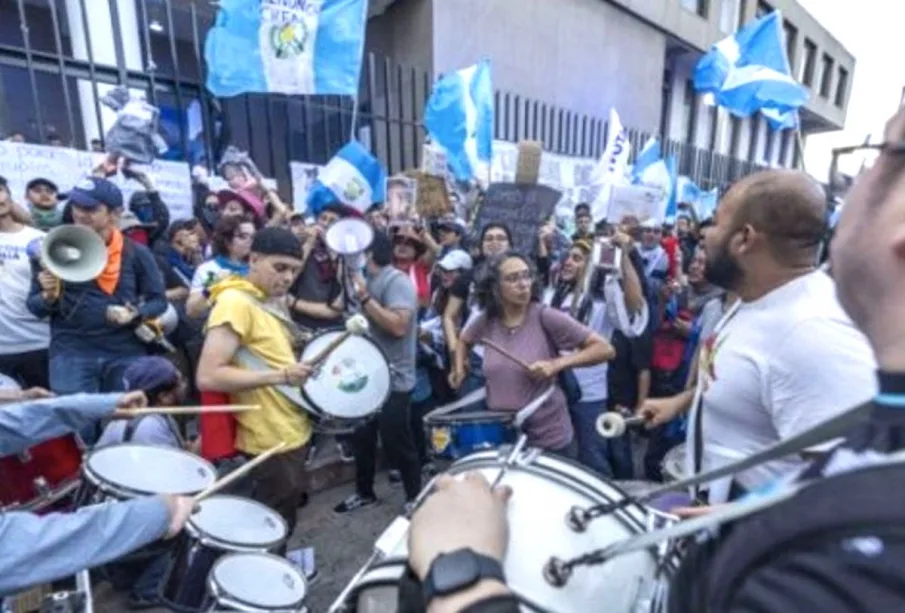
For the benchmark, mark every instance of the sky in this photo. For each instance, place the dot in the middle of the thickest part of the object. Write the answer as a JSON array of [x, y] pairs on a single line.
[[871, 31]]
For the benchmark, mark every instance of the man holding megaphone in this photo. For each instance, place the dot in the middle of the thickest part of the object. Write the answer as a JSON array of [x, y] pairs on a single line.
[[94, 292]]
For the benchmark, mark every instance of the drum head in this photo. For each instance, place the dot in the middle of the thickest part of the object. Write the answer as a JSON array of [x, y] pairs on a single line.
[[674, 463], [139, 470], [8, 383], [259, 580], [353, 382], [238, 522]]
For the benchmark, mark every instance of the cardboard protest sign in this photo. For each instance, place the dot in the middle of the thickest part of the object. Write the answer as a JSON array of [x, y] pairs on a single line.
[[303, 176], [523, 208], [639, 201]]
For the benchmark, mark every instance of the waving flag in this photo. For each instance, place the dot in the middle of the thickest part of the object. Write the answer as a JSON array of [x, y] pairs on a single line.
[[611, 169], [650, 154], [352, 178], [662, 174], [706, 204], [273, 46], [749, 71], [459, 117], [687, 191], [779, 120]]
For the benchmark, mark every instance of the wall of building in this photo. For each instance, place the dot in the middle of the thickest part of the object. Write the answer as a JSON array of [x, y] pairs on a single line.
[[581, 55]]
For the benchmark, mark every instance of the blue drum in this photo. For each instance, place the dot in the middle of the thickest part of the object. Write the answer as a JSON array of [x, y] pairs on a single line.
[[455, 435]]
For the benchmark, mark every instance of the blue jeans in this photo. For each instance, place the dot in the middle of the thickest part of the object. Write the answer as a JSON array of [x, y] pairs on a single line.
[[71, 374], [610, 457]]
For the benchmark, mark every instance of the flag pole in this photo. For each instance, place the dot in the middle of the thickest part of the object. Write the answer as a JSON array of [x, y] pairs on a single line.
[[352, 132], [800, 142]]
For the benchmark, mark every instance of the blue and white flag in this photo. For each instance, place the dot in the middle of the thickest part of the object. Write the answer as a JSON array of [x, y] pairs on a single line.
[[611, 169], [687, 191], [662, 175], [459, 117], [779, 120], [706, 204], [286, 47], [650, 154], [749, 71], [352, 178]]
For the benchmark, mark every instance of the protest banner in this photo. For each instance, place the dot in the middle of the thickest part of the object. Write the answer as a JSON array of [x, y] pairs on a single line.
[[521, 207]]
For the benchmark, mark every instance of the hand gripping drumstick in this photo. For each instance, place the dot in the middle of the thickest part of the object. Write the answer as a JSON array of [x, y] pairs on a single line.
[[238, 473], [192, 410], [505, 353], [357, 324], [612, 425]]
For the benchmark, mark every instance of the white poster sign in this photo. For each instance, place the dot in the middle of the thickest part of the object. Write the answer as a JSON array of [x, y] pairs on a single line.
[[303, 176], [639, 201]]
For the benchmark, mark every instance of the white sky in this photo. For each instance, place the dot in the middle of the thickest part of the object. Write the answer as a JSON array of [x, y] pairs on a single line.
[[872, 31]]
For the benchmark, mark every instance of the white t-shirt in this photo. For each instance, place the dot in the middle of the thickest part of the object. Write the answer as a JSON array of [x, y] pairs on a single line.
[[607, 316], [20, 330], [773, 368]]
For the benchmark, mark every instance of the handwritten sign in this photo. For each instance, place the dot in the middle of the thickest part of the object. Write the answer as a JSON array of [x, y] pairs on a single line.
[[639, 201], [521, 207], [303, 176]]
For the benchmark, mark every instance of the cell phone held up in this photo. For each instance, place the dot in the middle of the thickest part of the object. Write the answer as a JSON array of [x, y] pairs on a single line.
[[607, 255]]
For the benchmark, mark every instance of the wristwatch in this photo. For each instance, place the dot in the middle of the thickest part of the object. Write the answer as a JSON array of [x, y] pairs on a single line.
[[453, 572]]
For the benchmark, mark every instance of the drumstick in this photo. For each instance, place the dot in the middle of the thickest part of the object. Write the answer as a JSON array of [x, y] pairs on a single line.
[[238, 473], [505, 353], [357, 324], [192, 410]]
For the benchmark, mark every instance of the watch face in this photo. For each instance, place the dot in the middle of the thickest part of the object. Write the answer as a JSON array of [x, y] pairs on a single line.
[[454, 571]]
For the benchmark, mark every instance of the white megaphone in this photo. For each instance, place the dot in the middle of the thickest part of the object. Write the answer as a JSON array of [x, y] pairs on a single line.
[[73, 253], [349, 237]]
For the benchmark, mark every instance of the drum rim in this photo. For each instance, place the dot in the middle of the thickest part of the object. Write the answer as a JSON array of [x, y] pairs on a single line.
[[124, 491], [674, 457], [208, 540], [383, 401], [224, 596], [504, 418]]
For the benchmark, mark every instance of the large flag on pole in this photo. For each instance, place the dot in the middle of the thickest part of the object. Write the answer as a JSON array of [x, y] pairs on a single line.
[[749, 72], [459, 118], [353, 178], [273, 46]]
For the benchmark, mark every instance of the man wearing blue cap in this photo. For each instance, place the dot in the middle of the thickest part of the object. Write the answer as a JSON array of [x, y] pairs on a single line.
[[92, 339]]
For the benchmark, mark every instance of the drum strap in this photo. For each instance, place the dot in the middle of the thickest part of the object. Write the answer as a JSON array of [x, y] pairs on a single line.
[[250, 361]]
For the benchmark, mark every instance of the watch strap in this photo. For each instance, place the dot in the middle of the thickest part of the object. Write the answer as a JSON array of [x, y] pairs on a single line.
[[488, 568]]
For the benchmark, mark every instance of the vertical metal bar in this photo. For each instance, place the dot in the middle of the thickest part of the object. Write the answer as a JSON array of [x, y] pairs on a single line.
[[543, 126], [506, 124], [306, 123], [177, 85], [116, 26], [585, 134], [559, 145], [414, 127], [268, 120], [287, 122], [372, 87], [496, 115], [251, 142], [517, 116], [151, 67], [59, 46], [386, 113], [26, 39], [534, 122], [401, 126], [207, 124], [91, 73], [328, 140]]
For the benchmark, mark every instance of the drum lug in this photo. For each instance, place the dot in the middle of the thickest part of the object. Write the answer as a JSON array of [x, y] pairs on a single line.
[[42, 487], [556, 572], [577, 519]]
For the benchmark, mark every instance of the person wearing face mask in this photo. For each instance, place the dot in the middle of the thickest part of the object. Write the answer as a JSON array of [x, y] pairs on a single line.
[[786, 356], [231, 246], [42, 196]]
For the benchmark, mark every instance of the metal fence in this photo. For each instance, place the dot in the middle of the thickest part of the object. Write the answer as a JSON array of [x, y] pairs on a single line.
[[42, 70]]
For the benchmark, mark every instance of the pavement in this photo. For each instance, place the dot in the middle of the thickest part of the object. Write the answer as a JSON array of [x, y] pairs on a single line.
[[342, 544]]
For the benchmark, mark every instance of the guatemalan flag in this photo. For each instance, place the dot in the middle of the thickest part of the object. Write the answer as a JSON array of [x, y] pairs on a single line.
[[459, 117], [749, 72], [650, 154], [286, 47], [353, 178]]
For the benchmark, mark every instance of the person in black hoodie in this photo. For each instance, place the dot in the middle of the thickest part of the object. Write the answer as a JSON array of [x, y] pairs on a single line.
[[835, 546]]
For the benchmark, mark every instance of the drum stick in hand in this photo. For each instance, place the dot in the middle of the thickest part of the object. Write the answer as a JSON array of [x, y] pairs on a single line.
[[192, 410], [357, 324], [505, 353], [238, 473]]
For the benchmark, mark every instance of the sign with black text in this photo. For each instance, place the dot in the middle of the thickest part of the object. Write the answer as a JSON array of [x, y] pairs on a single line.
[[523, 208]]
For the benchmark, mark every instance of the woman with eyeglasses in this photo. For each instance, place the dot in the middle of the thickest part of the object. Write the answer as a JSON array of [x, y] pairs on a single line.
[[612, 300], [514, 319], [231, 246], [412, 256]]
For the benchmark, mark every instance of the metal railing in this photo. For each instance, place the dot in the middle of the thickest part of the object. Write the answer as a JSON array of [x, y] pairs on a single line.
[[272, 128]]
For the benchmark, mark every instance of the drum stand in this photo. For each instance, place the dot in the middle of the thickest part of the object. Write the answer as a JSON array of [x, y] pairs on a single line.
[[79, 600]]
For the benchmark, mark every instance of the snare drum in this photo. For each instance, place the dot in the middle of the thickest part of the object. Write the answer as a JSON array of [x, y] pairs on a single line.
[[130, 470], [455, 435], [544, 489], [351, 384], [221, 525], [255, 583], [43, 474], [673, 466]]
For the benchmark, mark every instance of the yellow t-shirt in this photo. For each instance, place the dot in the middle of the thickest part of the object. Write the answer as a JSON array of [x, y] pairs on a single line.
[[265, 336]]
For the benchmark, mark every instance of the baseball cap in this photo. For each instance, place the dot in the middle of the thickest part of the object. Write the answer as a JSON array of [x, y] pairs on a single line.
[[455, 260], [129, 220], [150, 373], [92, 192], [42, 181]]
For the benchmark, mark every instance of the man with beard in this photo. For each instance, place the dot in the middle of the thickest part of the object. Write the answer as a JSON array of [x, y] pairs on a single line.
[[785, 357], [43, 203]]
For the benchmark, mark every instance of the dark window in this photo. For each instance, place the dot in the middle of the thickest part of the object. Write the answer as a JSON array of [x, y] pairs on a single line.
[[826, 79], [701, 7], [691, 104], [841, 87], [810, 58], [714, 123], [752, 143], [735, 135], [771, 143], [763, 8], [742, 11], [791, 33], [784, 146]]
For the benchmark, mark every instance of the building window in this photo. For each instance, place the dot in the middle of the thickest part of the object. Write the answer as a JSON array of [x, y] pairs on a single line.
[[691, 104], [826, 79], [841, 87], [755, 133], [784, 146], [735, 135], [763, 8], [810, 58], [742, 13], [791, 33], [701, 7], [771, 144], [729, 16]]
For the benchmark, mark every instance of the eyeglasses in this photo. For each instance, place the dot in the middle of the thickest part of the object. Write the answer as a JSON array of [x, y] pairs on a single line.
[[516, 277]]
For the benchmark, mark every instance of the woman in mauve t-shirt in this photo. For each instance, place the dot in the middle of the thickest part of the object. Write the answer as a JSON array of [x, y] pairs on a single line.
[[514, 319]]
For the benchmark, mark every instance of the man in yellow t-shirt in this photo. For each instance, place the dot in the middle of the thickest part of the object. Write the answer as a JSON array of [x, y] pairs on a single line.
[[241, 321]]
